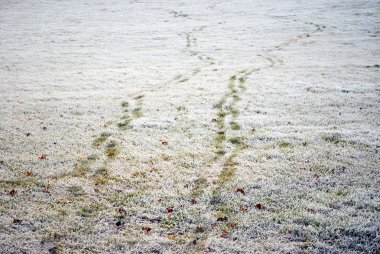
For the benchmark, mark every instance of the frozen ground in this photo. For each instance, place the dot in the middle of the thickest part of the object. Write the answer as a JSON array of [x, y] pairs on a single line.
[[189, 126]]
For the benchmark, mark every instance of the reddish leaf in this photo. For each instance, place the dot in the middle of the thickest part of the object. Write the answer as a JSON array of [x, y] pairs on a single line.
[[13, 192], [165, 142], [42, 157], [244, 209], [46, 190], [96, 190], [17, 221], [220, 132], [193, 201], [29, 173], [222, 218], [170, 209], [259, 206], [147, 229], [316, 176], [160, 200], [224, 234], [240, 190], [195, 241]]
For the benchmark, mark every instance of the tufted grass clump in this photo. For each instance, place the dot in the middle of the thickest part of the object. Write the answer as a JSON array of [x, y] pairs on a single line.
[[101, 139], [227, 175], [137, 113], [124, 124], [235, 126], [285, 144], [112, 150], [332, 137], [236, 140]]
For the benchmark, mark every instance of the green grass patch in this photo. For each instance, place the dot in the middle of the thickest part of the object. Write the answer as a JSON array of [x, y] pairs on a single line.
[[235, 126], [112, 150], [285, 144], [124, 124], [227, 175], [236, 140], [137, 112], [101, 139], [332, 137], [220, 138], [82, 167]]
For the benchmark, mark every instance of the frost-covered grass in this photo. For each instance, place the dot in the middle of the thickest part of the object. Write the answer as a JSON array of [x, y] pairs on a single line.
[[194, 127]]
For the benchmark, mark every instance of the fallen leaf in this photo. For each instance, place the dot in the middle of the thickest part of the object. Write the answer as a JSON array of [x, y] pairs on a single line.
[[165, 142], [46, 190], [240, 190], [42, 157], [160, 200], [147, 229], [316, 176], [220, 132], [225, 218], [17, 221], [171, 237], [233, 225], [259, 206], [29, 173], [121, 210], [13, 192], [44, 128], [224, 234], [96, 190], [170, 209], [193, 201], [244, 209]]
